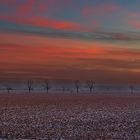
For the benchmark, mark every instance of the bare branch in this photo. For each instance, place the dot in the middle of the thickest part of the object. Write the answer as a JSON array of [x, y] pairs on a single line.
[[8, 88], [132, 89], [77, 85], [47, 85], [90, 85], [30, 85]]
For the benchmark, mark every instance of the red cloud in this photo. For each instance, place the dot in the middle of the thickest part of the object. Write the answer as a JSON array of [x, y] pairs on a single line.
[[45, 52], [46, 22], [26, 7], [57, 3], [134, 15], [135, 24], [38, 5], [133, 20], [42, 7], [90, 12], [52, 3], [5, 2], [100, 9], [95, 56]]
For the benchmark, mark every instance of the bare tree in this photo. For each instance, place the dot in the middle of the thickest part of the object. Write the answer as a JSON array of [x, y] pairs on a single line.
[[63, 89], [8, 88], [90, 85], [132, 89], [47, 85], [77, 85], [30, 85]]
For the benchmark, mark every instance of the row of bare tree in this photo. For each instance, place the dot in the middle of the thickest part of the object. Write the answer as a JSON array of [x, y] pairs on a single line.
[[30, 86], [90, 84]]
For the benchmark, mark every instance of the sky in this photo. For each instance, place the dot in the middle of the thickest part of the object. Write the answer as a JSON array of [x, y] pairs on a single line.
[[70, 39]]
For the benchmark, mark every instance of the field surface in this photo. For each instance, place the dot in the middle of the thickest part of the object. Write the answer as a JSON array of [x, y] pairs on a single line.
[[69, 117]]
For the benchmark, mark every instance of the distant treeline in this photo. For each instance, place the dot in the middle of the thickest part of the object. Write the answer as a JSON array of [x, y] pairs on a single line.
[[47, 85]]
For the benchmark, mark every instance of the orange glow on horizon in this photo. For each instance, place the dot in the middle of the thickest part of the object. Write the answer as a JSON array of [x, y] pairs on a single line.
[[40, 56]]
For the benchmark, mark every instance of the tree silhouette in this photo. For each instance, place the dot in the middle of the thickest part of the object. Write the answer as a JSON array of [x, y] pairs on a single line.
[[63, 88], [30, 85], [8, 88], [77, 85], [47, 85], [132, 89], [90, 85]]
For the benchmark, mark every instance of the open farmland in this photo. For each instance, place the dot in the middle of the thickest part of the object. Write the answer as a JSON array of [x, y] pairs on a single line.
[[69, 117]]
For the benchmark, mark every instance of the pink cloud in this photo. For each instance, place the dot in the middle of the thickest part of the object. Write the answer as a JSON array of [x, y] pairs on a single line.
[[135, 23], [133, 20], [134, 14], [39, 5], [90, 13], [5, 2], [26, 7], [56, 3], [47, 22], [100, 9]]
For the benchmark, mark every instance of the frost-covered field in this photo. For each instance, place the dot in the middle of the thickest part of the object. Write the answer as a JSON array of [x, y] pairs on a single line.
[[70, 117]]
